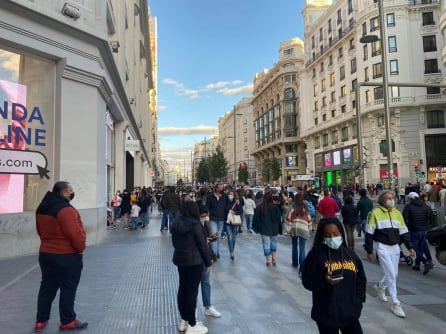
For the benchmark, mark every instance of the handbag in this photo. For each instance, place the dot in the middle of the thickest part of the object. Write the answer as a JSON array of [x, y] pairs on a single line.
[[233, 219], [298, 227]]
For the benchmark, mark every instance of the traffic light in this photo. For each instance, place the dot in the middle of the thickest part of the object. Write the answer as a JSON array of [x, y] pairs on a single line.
[[415, 166]]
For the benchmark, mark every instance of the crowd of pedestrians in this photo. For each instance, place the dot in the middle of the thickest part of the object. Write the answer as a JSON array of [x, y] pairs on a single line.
[[199, 218]]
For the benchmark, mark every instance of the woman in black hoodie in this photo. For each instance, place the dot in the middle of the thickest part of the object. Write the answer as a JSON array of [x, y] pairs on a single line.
[[336, 277], [191, 252]]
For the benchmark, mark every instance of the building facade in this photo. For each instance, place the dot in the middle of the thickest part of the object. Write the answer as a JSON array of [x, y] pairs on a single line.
[[337, 65], [236, 139], [202, 150], [74, 107], [276, 108]]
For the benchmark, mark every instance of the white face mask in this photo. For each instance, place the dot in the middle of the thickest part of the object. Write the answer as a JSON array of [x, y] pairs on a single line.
[[390, 203]]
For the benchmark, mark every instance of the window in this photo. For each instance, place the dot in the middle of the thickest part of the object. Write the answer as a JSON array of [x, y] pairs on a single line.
[[392, 44], [394, 67], [288, 52], [317, 141], [322, 67], [332, 79], [364, 29], [377, 71], [342, 72], [350, 6], [316, 121], [333, 96], [343, 109], [340, 53], [339, 16], [354, 84], [431, 66], [324, 117], [374, 24], [339, 33], [333, 113], [429, 43], [334, 137], [368, 96], [353, 65], [316, 105], [378, 93], [376, 48], [366, 52], [351, 44], [391, 20], [344, 134], [395, 91], [324, 101], [325, 139], [366, 74], [329, 26], [321, 35], [433, 90], [330, 60], [383, 147], [312, 42], [323, 85], [289, 78], [314, 73], [428, 19], [343, 91], [289, 94], [380, 120], [315, 91], [354, 104], [435, 119]]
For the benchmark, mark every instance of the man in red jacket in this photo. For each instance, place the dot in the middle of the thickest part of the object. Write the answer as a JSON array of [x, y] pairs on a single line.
[[327, 206], [62, 241]]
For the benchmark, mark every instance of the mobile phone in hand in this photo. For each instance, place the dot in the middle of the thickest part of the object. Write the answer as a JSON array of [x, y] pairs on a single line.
[[336, 277]]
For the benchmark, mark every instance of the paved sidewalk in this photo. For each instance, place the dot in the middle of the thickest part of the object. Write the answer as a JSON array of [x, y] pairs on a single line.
[[129, 286]]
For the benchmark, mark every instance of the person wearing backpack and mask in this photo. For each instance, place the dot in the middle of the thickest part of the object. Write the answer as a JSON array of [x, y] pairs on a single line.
[[385, 230], [335, 276]]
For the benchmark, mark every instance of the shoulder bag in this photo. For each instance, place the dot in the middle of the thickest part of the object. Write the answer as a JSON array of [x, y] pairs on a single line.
[[233, 219]]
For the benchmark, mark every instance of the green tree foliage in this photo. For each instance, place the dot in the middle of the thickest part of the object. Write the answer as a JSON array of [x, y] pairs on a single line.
[[202, 173], [243, 174], [218, 165], [266, 171], [276, 171]]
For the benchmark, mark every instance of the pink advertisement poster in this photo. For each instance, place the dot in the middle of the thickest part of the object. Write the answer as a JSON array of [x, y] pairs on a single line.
[[11, 185]]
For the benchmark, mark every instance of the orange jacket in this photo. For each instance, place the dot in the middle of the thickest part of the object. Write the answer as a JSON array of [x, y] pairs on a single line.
[[59, 226]]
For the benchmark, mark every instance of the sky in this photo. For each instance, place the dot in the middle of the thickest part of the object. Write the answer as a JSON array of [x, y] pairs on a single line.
[[208, 54]]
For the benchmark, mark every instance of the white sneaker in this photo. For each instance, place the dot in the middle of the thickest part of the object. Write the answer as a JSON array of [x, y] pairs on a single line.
[[182, 326], [381, 293], [398, 310], [212, 312], [199, 328]]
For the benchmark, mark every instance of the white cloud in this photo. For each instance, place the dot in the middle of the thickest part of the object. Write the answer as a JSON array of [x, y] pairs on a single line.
[[247, 89], [160, 108], [196, 130], [217, 85], [236, 82], [180, 89], [10, 62]]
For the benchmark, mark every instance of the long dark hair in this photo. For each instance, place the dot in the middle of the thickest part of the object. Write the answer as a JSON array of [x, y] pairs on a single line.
[[267, 202], [299, 206], [190, 209], [319, 236]]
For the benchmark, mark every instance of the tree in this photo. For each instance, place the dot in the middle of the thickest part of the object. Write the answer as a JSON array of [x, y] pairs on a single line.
[[243, 173], [266, 171], [218, 165], [202, 174], [276, 171]]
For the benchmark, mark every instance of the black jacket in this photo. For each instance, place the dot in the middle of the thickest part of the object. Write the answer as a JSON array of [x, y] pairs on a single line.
[[334, 305], [189, 241], [417, 215], [349, 215], [269, 224], [217, 208]]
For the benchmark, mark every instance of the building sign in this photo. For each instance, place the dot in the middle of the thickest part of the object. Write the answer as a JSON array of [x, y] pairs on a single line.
[[318, 160], [305, 177], [327, 159], [336, 158], [132, 145], [347, 155], [438, 169]]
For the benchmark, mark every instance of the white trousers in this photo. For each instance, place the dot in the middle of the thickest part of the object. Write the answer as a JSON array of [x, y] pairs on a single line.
[[389, 257]]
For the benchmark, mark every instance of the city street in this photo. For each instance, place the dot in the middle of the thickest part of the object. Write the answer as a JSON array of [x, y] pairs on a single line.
[[129, 286]]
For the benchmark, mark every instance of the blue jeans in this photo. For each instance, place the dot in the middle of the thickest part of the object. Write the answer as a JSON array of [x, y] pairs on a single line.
[[116, 212], [297, 257], [361, 226], [144, 218], [172, 216], [249, 219], [269, 244], [165, 219], [231, 231], [217, 226], [419, 241], [134, 222], [206, 288]]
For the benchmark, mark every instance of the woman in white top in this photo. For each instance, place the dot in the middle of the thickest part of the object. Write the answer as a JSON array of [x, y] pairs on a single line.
[[248, 210]]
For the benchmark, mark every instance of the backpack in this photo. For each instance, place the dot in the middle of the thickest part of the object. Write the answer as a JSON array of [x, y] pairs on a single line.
[[311, 209]]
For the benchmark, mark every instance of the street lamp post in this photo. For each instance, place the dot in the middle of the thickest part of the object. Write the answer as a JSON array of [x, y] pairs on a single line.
[[385, 88], [235, 143]]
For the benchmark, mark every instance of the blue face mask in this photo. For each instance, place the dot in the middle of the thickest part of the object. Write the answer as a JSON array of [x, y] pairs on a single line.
[[333, 243], [230, 197]]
